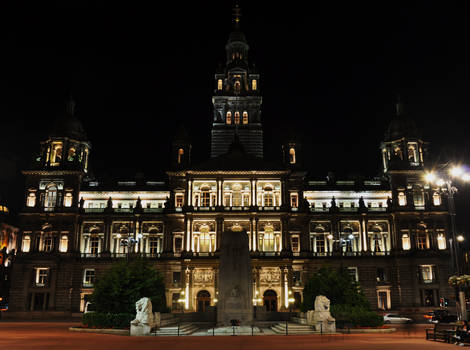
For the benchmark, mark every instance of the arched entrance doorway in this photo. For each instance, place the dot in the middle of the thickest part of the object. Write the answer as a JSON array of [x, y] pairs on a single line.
[[203, 300], [270, 300]]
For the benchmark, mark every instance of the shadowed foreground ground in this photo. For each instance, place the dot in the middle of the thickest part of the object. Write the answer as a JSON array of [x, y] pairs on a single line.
[[54, 335]]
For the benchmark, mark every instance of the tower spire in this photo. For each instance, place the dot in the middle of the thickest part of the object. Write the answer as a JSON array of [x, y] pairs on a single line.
[[70, 105], [236, 15], [399, 108]]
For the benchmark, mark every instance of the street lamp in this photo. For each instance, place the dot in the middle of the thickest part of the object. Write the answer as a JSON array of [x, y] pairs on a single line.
[[128, 241]]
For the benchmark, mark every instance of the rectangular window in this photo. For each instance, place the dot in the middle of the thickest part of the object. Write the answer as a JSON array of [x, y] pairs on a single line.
[[441, 240], [178, 244], [177, 277], [295, 243], [320, 243], [296, 278], [88, 277], [421, 241], [405, 241], [294, 200], [205, 199], [47, 247], [428, 297], [179, 200], [42, 276], [94, 245], [382, 274], [153, 245], [427, 273], [63, 245], [26, 244], [352, 270], [227, 200]]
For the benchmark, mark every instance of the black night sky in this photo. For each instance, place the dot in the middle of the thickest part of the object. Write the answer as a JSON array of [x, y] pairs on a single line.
[[330, 71]]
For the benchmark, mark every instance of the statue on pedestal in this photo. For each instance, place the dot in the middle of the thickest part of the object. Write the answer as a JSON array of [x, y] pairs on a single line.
[[322, 318], [145, 320]]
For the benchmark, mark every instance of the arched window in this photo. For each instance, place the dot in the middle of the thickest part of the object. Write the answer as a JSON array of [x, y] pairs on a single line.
[[26, 244], [401, 199], [31, 200], [245, 117], [398, 152], [63, 245], [219, 84], [56, 155], [254, 85], [237, 87], [180, 155], [51, 196], [436, 198], [71, 155], [203, 299], [229, 118], [237, 118], [68, 199], [412, 153], [292, 155]]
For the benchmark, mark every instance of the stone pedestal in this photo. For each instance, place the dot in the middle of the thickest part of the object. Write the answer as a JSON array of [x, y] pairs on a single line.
[[324, 322], [140, 329], [235, 280]]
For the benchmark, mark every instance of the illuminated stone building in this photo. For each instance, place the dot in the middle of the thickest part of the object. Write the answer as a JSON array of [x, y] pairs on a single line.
[[390, 231], [8, 240]]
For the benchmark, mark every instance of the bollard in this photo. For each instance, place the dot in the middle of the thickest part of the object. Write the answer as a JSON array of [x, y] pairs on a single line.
[[233, 330], [287, 328], [178, 329], [213, 331], [252, 328]]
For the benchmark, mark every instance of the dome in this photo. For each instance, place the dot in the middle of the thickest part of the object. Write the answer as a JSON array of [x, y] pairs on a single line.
[[68, 125], [401, 127], [236, 36]]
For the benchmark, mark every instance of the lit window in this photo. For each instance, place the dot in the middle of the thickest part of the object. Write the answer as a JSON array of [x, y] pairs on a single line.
[[268, 199], [153, 245], [237, 87], [436, 198], [51, 197], [56, 155], [42, 275], [180, 155], [31, 200], [71, 155], [178, 244], [427, 273], [219, 84], [254, 85], [401, 199], [237, 118], [294, 200], [292, 155], [26, 244], [412, 153], [245, 117], [179, 200], [63, 245], [441, 241], [229, 118], [88, 277], [398, 153], [68, 199], [405, 241]]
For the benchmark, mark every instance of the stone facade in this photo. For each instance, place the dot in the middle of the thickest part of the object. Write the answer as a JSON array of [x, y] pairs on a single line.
[[391, 232]]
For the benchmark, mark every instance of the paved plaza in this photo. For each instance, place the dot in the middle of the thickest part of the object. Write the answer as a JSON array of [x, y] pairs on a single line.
[[55, 335]]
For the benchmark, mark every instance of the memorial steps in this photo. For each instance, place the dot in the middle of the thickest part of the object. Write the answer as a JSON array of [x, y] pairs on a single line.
[[292, 328]]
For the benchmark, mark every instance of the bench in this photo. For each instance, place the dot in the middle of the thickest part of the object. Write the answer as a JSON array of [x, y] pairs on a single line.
[[442, 331]]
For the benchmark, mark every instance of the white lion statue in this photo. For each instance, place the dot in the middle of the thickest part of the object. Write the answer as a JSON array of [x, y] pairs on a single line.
[[144, 314], [322, 317]]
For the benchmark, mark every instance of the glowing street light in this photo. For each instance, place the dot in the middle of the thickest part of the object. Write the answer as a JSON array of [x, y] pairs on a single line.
[[460, 238]]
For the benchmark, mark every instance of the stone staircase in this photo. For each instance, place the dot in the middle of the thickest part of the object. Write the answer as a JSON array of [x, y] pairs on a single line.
[[172, 330], [292, 328], [168, 320]]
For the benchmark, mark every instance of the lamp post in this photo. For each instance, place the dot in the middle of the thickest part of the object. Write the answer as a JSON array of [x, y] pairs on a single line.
[[129, 242], [444, 181]]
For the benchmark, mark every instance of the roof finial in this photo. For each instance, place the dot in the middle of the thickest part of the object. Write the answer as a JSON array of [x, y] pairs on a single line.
[[70, 108], [399, 106], [236, 15]]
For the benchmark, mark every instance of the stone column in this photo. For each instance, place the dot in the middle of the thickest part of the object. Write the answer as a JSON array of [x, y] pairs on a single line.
[[256, 234], [285, 234], [219, 228]]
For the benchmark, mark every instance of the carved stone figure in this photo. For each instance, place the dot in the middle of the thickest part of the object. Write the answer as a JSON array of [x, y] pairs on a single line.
[[322, 318], [145, 320]]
